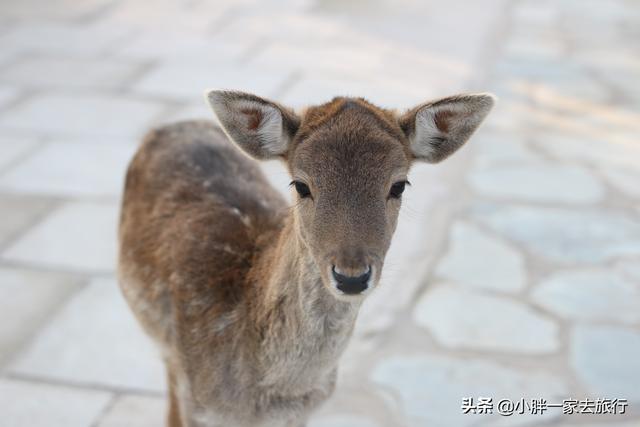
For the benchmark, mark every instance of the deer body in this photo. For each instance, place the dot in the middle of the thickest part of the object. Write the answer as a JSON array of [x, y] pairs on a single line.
[[253, 302]]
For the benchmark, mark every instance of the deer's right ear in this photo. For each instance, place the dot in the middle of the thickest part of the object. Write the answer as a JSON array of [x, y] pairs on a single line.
[[261, 128]]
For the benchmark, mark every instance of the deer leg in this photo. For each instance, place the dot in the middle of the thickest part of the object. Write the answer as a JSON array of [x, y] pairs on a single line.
[[173, 416]]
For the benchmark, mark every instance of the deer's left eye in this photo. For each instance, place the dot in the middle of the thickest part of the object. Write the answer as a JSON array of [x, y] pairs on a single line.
[[397, 189], [302, 189]]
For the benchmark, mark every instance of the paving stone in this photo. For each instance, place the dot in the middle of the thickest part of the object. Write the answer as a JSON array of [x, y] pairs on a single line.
[[51, 71], [14, 149], [607, 360], [78, 236], [630, 268], [190, 81], [7, 94], [27, 404], [94, 339], [27, 299], [604, 152], [317, 90], [479, 260], [494, 148], [592, 295], [540, 183], [565, 235], [431, 389], [136, 411], [626, 181], [102, 115], [183, 48], [19, 212], [61, 39], [462, 319], [341, 421], [71, 169]]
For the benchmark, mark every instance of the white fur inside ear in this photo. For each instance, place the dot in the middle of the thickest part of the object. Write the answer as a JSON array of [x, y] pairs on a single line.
[[255, 126], [426, 130]]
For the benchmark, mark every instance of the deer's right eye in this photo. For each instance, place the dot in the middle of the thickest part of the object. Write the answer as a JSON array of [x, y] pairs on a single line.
[[302, 189]]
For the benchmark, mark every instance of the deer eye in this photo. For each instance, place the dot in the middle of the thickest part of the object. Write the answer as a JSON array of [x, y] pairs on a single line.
[[397, 189], [302, 189]]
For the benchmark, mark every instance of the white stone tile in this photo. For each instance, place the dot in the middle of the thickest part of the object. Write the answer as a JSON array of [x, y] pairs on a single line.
[[591, 295], [14, 149], [71, 169], [538, 183], [565, 235], [27, 299], [94, 339], [466, 320], [626, 181], [18, 213], [102, 115], [342, 421], [431, 389], [189, 81], [67, 72], [26, 404], [61, 38], [182, 48], [136, 411], [7, 94], [478, 260], [321, 89], [78, 236], [607, 360]]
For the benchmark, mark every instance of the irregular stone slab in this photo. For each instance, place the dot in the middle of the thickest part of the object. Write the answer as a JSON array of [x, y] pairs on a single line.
[[468, 320], [565, 235], [539, 183], [18, 213], [87, 114], [26, 404], [431, 389], [136, 411], [607, 360], [27, 299], [94, 339], [76, 236], [478, 260], [341, 421], [14, 149], [71, 169], [590, 295], [87, 73], [627, 181]]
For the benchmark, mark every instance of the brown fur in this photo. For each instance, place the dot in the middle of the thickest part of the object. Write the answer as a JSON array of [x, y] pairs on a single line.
[[234, 285]]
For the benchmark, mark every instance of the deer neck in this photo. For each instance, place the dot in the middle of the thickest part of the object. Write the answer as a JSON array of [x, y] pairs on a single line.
[[296, 310]]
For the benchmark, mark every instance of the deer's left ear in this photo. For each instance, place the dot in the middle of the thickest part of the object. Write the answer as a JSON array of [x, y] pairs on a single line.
[[437, 129]]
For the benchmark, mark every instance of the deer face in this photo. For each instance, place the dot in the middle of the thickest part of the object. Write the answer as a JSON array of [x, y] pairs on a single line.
[[349, 163]]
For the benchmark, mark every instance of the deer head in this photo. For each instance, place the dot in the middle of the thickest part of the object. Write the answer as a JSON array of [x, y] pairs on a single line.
[[349, 161]]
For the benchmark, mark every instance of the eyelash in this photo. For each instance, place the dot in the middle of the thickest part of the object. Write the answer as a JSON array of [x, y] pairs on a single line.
[[397, 189], [302, 189]]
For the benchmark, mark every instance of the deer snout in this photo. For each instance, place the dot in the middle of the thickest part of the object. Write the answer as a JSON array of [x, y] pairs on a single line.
[[350, 283]]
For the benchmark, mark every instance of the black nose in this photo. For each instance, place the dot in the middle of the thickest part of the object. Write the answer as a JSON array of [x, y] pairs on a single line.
[[349, 284]]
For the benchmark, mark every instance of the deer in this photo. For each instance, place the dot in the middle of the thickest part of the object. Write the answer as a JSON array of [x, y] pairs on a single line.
[[250, 300]]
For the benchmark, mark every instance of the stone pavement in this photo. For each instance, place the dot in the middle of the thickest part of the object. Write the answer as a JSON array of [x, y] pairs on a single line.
[[515, 272]]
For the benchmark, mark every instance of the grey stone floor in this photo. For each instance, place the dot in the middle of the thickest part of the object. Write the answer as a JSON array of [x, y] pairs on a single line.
[[515, 272]]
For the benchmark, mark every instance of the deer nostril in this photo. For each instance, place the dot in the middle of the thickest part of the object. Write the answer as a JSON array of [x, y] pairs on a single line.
[[351, 284]]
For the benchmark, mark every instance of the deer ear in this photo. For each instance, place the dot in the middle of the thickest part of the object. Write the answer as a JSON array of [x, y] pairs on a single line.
[[261, 128], [437, 129]]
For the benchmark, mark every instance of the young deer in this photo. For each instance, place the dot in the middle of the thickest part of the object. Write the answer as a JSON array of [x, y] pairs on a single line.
[[253, 302]]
